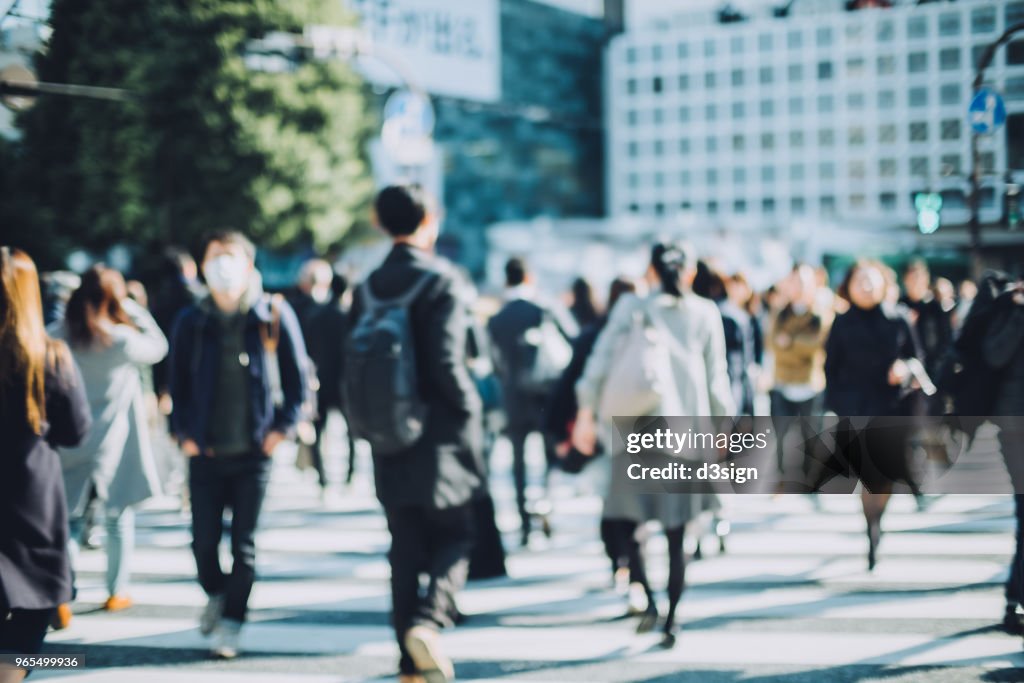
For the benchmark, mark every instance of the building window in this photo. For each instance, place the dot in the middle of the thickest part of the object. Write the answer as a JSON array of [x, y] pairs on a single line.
[[917, 62], [796, 139], [950, 94], [712, 176], [949, 59], [950, 164], [709, 48], [987, 161], [736, 45], [794, 40], [765, 75], [711, 145], [685, 205], [887, 168], [855, 101], [949, 24], [634, 208], [919, 131], [659, 209], [633, 117], [917, 27], [631, 86], [634, 180], [1015, 53], [1014, 89], [659, 116], [886, 99], [886, 65], [796, 172], [738, 111], [795, 73], [826, 104], [767, 141], [767, 108], [710, 112], [919, 167], [739, 175], [768, 205], [796, 106], [709, 80], [887, 201], [886, 31], [682, 50], [856, 136], [1014, 13], [737, 77], [983, 20], [656, 53], [918, 97], [768, 174], [857, 170], [684, 146], [684, 114], [827, 170], [659, 180], [633, 150], [950, 129], [685, 178], [827, 204], [657, 84], [797, 206], [855, 67], [887, 133], [826, 137], [858, 202], [825, 71], [659, 148], [739, 206], [631, 55], [684, 82], [764, 42], [739, 143], [712, 207], [823, 36]]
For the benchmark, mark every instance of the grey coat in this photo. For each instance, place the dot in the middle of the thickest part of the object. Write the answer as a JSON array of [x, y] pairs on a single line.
[[701, 377], [117, 457]]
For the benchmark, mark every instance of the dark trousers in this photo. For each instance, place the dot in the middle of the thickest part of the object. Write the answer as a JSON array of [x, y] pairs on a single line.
[[1015, 582], [518, 438], [432, 542], [22, 630], [784, 413], [238, 483], [316, 450]]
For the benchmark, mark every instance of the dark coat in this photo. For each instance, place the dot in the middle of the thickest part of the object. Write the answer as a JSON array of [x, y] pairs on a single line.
[[194, 356], [861, 348], [167, 303], [1004, 351], [934, 330], [443, 468], [34, 568], [325, 333]]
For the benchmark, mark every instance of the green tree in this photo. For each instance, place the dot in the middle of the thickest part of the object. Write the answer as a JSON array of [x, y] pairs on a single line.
[[206, 143]]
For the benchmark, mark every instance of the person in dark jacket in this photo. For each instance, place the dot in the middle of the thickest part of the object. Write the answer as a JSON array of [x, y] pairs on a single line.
[[932, 323], [228, 421], [42, 406], [516, 354], [583, 307], [1003, 350], [427, 490], [869, 358], [178, 288]]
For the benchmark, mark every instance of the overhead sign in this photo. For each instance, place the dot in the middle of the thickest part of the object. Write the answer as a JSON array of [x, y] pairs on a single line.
[[449, 47], [408, 128], [987, 111]]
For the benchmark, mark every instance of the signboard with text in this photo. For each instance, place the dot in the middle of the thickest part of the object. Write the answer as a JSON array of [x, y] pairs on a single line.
[[450, 47]]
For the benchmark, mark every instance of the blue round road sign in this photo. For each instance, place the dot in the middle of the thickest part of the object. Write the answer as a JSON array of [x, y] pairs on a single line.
[[987, 111]]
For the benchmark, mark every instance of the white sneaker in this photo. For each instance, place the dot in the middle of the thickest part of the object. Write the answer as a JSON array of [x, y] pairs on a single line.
[[210, 617], [226, 639], [424, 646]]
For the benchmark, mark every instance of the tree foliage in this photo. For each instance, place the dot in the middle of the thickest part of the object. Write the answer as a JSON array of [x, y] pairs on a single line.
[[206, 143]]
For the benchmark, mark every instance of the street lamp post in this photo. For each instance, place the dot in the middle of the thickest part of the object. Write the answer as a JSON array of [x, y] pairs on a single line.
[[976, 170]]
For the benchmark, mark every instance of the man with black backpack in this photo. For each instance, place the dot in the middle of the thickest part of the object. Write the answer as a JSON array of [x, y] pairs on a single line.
[[409, 393], [532, 348]]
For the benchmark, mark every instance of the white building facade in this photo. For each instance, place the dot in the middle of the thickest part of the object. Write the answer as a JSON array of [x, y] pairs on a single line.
[[825, 119]]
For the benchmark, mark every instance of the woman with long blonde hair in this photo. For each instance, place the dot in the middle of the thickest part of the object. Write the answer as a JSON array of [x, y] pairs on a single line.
[[42, 406]]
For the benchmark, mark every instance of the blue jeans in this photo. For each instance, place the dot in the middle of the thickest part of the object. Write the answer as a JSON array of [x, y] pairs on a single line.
[[120, 546], [239, 483]]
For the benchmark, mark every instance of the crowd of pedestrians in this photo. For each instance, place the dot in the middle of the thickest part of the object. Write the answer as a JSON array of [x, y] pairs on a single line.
[[90, 378]]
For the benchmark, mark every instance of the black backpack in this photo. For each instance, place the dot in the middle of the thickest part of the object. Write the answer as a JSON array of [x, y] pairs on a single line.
[[380, 387]]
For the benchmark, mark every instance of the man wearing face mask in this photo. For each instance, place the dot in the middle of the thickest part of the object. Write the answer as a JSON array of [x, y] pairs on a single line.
[[228, 422]]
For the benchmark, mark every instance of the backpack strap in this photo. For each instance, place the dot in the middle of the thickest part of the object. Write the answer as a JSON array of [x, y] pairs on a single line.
[[371, 302], [270, 333]]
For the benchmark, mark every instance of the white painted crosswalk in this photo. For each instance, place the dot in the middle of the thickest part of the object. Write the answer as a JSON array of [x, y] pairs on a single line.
[[790, 599]]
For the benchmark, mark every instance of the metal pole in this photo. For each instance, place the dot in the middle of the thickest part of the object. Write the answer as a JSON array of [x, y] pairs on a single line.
[[28, 89], [974, 201]]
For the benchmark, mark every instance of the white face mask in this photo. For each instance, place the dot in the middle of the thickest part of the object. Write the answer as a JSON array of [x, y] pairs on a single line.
[[227, 274]]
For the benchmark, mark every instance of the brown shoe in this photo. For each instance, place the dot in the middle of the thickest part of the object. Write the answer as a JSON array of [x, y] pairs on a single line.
[[61, 617], [411, 678], [116, 603], [424, 646]]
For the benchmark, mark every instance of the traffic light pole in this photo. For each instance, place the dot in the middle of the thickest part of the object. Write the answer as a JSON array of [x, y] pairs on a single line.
[[974, 200]]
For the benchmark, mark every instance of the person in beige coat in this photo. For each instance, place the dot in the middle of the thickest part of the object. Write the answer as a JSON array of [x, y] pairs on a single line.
[[700, 387]]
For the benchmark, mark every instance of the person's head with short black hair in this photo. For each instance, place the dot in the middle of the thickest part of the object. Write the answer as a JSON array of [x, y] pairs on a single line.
[[516, 272], [228, 265], [675, 265], [917, 280], [407, 213]]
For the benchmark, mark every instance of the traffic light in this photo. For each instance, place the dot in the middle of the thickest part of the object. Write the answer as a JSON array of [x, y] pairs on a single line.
[[929, 211]]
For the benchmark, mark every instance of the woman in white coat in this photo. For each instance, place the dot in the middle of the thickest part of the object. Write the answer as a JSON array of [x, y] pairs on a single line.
[[700, 388], [113, 340]]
